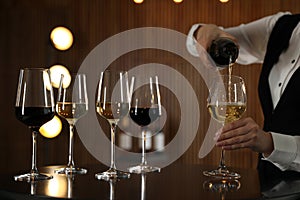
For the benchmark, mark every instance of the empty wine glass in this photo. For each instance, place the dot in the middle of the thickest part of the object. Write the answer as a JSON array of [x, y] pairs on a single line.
[[145, 109], [72, 104], [34, 107], [113, 104], [226, 103]]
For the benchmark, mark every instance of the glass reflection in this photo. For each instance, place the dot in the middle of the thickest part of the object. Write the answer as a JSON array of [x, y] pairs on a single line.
[[33, 187], [112, 185], [60, 186], [143, 186], [70, 180], [221, 186]]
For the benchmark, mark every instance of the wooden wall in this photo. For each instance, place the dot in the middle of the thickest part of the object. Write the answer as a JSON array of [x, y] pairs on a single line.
[[24, 42]]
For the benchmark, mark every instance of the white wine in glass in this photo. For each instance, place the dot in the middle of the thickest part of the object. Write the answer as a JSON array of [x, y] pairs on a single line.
[[34, 107], [72, 104], [113, 104], [226, 103]]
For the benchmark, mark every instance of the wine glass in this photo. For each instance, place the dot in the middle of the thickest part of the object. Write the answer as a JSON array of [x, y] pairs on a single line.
[[145, 109], [72, 104], [34, 107], [226, 103], [113, 104]]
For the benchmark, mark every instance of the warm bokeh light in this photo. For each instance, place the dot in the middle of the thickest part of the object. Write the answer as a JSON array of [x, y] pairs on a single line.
[[55, 75], [178, 1], [224, 1], [61, 38], [52, 128], [138, 1]]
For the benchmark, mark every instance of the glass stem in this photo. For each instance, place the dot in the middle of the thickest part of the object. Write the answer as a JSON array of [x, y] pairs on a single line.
[[34, 148], [71, 146], [222, 165], [144, 162], [113, 127]]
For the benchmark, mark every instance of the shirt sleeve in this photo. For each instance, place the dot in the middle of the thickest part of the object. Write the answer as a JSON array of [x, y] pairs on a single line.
[[252, 38], [286, 153], [191, 41]]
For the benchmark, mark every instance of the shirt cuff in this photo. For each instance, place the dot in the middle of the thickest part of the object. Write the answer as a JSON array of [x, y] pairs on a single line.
[[284, 153], [191, 42]]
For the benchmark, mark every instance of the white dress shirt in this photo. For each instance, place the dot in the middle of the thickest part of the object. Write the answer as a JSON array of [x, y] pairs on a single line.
[[253, 39]]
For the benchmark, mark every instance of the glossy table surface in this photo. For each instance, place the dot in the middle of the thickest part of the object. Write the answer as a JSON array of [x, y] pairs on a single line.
[[178, 181]]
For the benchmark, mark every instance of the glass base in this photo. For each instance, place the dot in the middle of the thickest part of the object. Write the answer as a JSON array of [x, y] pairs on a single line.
[[142, 168], [222, 174], [70, 170], [112, 174], [31, 177]]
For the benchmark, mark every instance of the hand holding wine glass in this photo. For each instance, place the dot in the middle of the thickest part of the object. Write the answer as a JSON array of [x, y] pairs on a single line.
[[34, 107], [72, 104], [113, 104], [226, 103]]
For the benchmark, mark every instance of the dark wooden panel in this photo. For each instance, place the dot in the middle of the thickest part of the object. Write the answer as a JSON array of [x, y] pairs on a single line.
[[25, 28]]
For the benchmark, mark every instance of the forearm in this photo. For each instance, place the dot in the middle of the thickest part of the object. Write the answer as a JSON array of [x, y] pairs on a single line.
[[202, 36], [252, 38]]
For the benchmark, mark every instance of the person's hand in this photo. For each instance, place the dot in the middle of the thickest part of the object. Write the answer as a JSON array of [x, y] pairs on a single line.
[[245, 133], [209, 32]]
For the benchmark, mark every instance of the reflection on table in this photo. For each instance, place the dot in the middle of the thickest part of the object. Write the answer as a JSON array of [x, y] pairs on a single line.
[[178, 181]]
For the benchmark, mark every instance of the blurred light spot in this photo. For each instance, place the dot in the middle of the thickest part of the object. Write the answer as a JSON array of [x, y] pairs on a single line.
[[55, 75], [61, 38], [178, 1], [52, 128], [138, 1]]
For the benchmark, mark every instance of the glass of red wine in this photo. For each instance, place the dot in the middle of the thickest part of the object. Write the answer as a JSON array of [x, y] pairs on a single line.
[[34, 107], [145, 109]]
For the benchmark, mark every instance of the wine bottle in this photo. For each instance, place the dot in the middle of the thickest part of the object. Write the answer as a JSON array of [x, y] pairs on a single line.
[[223, 51]]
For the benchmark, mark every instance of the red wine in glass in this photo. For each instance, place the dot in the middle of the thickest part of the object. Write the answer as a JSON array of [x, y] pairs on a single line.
[[144, 116], [34, 116]]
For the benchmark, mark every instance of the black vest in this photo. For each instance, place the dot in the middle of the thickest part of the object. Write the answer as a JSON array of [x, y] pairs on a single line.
[[285, 117]]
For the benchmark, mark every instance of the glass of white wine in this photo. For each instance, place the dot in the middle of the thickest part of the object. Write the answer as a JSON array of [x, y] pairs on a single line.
[[113, 104], [72, 104], [226, 103]]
